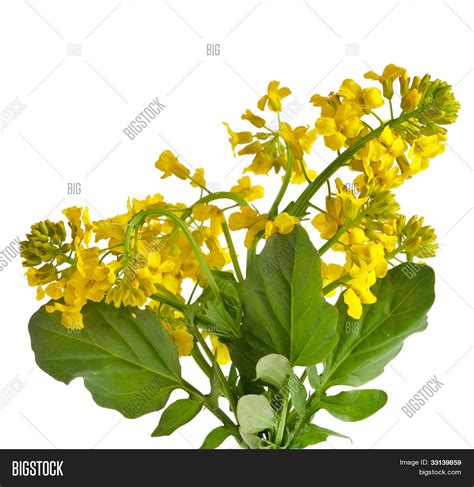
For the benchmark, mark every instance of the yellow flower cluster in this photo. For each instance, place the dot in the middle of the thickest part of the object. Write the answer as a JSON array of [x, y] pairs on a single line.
[[143, 264]]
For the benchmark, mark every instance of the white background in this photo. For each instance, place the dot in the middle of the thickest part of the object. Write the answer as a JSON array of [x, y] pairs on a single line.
[[132, 52]]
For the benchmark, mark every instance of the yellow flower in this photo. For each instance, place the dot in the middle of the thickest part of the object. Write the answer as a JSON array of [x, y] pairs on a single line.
[[76, 217], [261, 164], [273, 97], [55, 289], [422, 150], [328, 223], [203, 212], [358, 291], [389, 75], [181, 337], [197, 180], [159, 271], [168, 163], [248, 218], [245, 188], [370, 256], [351, 205], [366, 98], [71, 317], [238, 138], [410, 100], [220, 351], [40, 293], [283, 224], [255, 120], [342, 125], [330, 273]]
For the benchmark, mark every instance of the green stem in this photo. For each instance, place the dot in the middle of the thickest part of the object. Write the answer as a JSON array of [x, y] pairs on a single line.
[[282, 422], [233, 253], [221, 415], [228, 393], [343, 229], [201, 361], [197, 183], [169, 301], [335, 284], [286, 181]]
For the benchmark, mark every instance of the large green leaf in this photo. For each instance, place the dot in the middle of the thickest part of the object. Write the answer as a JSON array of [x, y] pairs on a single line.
[[176, 415], [127, 359], [284, 311], [365, 346], [354, 405]]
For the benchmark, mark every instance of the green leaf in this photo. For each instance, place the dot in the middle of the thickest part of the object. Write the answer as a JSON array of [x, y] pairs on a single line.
[[367, 345], [215, 438], [313, 377], [127, 359], [176, 415], [250, 439], [354, 405], [311, 435], [298, 394], [255, 414], [284, 311], [273, 369]]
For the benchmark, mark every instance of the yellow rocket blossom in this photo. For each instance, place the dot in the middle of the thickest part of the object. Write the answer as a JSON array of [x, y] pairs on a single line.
[[283, 223], [220, 350], [365, 98], [388, 76], [273, 97], [238, 138], [422, 150], [168, 163], [248, 218], [245, 188], [197, 179], [203, 212], [255, 120], [344, 123]]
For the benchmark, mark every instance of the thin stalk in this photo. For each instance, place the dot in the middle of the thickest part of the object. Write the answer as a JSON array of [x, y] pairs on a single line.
[[341, 230], [232, 252], [221, 415], [282, 422], [228, 393]]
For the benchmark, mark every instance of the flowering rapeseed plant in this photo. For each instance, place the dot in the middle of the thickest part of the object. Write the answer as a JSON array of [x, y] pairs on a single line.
[[120, 311]]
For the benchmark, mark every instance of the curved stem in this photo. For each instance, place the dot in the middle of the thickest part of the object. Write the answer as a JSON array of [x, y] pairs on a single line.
[[139, 218]]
